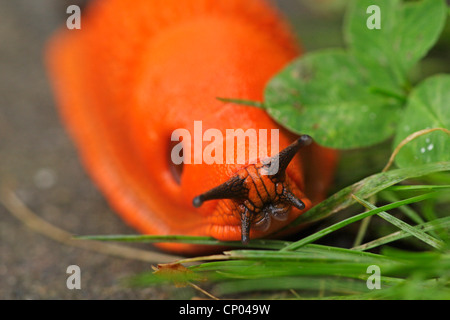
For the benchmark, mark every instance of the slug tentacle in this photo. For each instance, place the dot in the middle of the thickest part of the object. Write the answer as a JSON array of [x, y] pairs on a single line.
[[260, 194], [231, 189], [285, 156]]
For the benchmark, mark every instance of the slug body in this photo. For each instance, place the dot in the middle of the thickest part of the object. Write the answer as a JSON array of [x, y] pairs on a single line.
[[136, 72]]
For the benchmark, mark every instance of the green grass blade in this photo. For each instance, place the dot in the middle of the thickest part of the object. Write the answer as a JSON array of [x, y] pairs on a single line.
[[343, 223], [362, 231], [327, 286], [256, 243], [419, 234], [365, 189], [302, 256], [443, 223], [418, 188], [410, 213], [249, 103]]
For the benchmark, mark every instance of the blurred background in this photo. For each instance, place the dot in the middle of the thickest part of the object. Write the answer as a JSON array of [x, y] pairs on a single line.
[[39, 163]]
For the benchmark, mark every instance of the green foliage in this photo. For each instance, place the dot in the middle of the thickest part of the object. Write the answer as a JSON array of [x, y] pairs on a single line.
[[365, 189], [408, 31], [303, 269], [361, 95], [428, 107], [327, 95]]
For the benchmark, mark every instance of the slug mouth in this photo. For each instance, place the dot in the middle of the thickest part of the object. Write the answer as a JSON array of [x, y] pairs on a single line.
[[262, 191], [261, 218]]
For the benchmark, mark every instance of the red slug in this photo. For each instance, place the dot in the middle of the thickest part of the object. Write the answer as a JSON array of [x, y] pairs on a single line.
[[138, 71]]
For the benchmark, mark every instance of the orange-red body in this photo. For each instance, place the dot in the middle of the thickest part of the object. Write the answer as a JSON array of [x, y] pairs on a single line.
[[138, 70]]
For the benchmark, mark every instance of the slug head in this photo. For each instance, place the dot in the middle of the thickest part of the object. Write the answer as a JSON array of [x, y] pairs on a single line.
[[261, 192]]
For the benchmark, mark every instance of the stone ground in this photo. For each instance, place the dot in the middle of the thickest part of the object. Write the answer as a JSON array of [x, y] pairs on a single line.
[[38, 162]]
